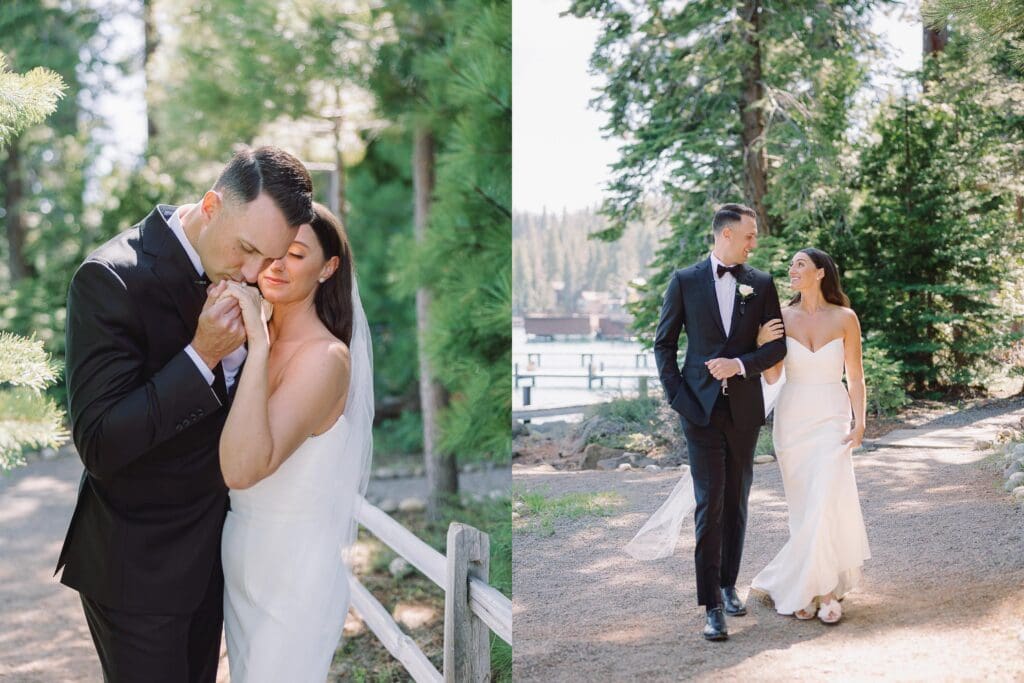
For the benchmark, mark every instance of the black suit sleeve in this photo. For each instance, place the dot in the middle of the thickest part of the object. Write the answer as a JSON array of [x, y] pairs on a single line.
[[761, 359], [666, 339], [117, 414]]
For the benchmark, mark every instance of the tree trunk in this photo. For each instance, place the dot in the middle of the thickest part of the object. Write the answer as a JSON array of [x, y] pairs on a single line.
[[14, 184], [755, 163], [152, 39], [934, 40], [340, 163], [442, 478]]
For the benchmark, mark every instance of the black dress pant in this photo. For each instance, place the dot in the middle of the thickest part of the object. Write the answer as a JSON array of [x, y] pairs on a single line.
[[722, 467], [158, 648]]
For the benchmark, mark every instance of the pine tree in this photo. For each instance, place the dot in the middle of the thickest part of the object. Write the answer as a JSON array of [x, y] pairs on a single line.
[[744, 102], [933, 215], [27, 418]]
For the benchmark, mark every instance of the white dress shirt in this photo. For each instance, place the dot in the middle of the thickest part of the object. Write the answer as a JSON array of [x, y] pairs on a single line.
[[725, 290], [233, 361]]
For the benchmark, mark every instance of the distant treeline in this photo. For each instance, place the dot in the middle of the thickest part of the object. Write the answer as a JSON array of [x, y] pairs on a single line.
[[549, 248]]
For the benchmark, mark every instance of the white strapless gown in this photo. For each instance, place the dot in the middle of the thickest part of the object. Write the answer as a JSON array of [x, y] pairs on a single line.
[[827, 543], [286, 588]]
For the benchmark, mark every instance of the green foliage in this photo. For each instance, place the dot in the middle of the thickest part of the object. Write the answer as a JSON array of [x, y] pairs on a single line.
[[989, 22], [26, 100], [674, 90], [765, 445], [28, 419], [884, 379], [932, 220], [403, 434], [549, 247], [465, 259], [538, 512], [634, 411]]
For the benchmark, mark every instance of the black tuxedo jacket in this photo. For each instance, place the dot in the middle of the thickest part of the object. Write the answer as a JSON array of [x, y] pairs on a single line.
[[691, 302], [145, 534]]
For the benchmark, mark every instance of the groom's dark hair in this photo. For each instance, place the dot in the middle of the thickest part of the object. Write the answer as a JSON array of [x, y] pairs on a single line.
[[274, 171], [730, 214]]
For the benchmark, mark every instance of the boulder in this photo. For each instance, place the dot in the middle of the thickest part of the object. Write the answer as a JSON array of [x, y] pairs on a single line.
[[594, 453], [653, 468], [763, 458], [1016, 479], [613, 463], [399, 568], [624, 467], [1018, 493]]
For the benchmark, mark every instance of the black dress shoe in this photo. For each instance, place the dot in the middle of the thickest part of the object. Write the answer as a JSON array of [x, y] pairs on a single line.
[[715, 628], [734, 607]]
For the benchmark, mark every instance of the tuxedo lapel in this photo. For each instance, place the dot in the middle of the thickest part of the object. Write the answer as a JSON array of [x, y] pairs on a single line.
[[707, 284], [173, 269]]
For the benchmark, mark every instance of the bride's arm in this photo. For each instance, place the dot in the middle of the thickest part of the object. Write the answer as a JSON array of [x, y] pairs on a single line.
[[264, 427], [855, 378], [770, 331]]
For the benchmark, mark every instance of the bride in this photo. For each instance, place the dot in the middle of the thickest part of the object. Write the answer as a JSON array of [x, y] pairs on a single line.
[[814, 441], [295, 452]]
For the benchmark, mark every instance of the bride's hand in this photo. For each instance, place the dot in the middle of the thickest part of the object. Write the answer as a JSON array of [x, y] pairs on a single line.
[[770, 331], [255, 313], [856, 436]]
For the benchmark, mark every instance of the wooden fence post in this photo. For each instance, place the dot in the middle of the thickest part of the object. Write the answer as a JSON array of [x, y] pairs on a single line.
[[467, 642]]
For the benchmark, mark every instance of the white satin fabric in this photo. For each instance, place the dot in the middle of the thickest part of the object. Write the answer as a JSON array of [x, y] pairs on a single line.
[[828, 543], [285, 542]]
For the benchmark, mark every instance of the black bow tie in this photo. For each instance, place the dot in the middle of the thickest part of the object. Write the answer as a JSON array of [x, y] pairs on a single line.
[[735, 270]]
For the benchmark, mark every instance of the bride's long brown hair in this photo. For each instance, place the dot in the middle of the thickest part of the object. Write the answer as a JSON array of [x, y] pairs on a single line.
[[831, 289], [333, 297]]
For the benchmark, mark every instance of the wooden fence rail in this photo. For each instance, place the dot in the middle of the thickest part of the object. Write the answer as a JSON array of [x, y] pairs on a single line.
[[472, 607]]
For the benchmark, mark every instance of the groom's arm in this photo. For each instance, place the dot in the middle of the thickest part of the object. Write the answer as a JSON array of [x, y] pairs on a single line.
[[117, 414], [666, 339], [761, 359]]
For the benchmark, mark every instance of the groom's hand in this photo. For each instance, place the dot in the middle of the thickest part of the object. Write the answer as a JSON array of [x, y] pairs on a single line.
[[723, 368], [220, 330]]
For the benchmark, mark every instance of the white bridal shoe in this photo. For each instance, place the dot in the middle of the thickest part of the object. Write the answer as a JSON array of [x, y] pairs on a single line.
[[830, 612]]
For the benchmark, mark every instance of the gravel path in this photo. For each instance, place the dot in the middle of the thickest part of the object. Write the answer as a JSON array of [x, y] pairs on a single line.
[[43, 634], [942, 599]]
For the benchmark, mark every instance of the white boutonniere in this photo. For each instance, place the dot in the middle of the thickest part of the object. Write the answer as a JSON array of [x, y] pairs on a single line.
[[745, 292]]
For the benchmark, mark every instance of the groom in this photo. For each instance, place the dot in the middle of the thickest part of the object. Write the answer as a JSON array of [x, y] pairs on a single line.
[[721, 302], [150, 360]]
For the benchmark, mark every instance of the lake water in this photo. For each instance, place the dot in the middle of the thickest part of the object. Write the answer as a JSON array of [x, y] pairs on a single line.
[[572, 358]]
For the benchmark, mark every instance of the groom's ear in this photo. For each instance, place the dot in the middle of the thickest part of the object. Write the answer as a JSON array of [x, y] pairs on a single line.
[[212, 202]]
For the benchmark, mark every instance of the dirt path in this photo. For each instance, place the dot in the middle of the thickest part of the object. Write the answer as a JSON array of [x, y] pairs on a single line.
[[43, 634], [942, 599]]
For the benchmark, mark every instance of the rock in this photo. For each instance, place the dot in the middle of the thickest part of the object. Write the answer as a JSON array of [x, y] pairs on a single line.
[[624, 467], [1018, 450], [652, 468], [545, 467], [1018, 493], [764, 458], [519, 429], [983, 445], [1016, 479], [412, 505], [48, 454], [596, 427], [641, 461], [594, 453], [1013, 468], [389, 506], [399, 568], [414, 616], [612, 463]]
